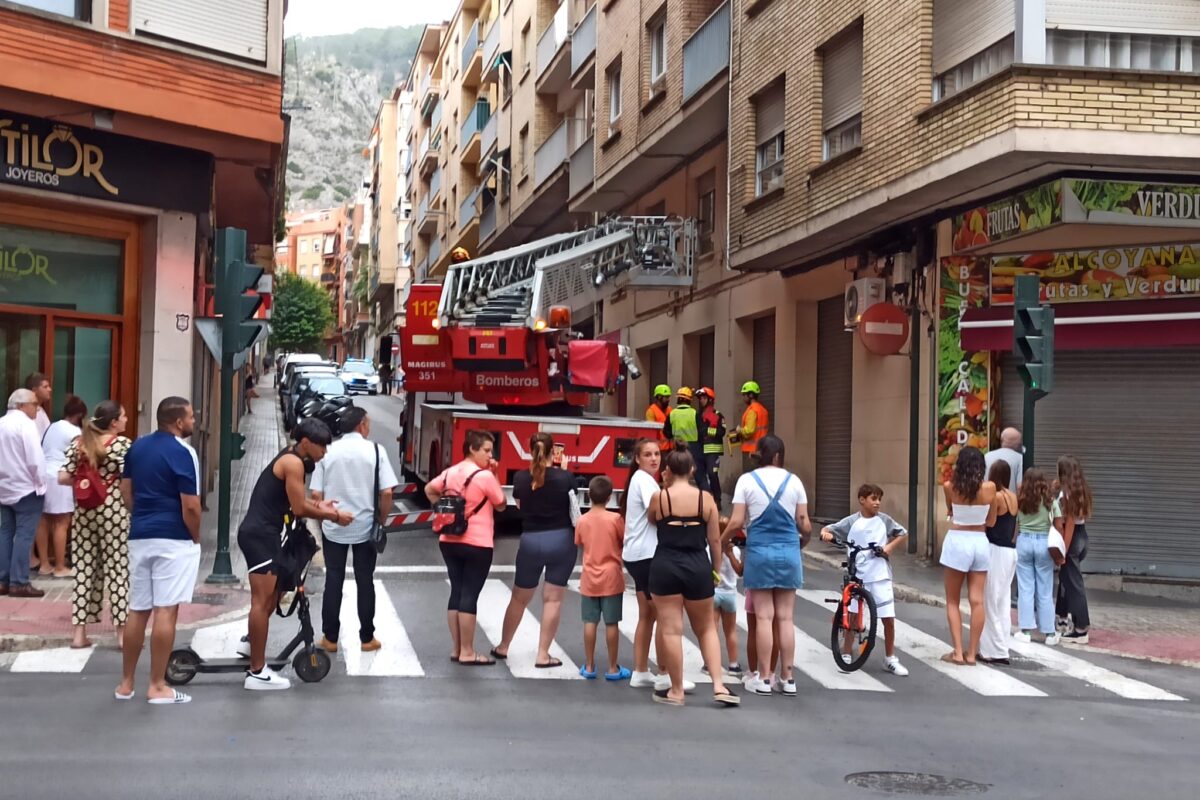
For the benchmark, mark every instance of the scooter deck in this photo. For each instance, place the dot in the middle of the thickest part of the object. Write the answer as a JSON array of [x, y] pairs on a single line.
[[236, 664]]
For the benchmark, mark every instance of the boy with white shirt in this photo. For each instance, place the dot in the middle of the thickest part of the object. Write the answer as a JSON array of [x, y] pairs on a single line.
[[871, 528]]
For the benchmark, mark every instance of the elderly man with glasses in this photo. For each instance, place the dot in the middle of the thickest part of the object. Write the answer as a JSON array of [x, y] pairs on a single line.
[[22, 466]]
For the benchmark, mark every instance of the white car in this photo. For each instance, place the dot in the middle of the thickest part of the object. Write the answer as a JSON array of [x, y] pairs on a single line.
[[359, 375]]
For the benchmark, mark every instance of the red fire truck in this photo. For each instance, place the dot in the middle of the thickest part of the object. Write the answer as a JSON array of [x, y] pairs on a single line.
[[493, 348]]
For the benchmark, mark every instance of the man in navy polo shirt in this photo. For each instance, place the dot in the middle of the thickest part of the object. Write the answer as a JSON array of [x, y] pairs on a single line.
[[161, 486]]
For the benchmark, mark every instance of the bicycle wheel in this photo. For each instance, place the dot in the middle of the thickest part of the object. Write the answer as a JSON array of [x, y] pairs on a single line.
[[852, 646]]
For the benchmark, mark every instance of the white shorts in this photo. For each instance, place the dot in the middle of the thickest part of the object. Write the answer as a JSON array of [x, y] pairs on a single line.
[[162, 572], [966, 551], [883, 595]]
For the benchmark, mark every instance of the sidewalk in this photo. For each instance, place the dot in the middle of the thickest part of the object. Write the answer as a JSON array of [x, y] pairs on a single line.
[[1123, 624], [46, 622]]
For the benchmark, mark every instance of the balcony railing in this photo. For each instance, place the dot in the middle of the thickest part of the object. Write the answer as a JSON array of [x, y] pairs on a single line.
[[422, 209], [435, 183], [467, 210], [435, 252], [474, 122], [706, 53], [491, 45], [551, 155], [583, 40], [424, 146], [470, 45], [488, 138], [487, 221], [421, 271], [583, 168], [552, 39], [423, 86], [435, 121]]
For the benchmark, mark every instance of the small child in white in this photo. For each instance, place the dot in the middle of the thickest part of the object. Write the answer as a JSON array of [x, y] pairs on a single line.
[[869, 527]]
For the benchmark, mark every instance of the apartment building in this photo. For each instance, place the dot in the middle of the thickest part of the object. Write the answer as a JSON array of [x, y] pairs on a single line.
[[385, 246], [131, 131], [946, 147]]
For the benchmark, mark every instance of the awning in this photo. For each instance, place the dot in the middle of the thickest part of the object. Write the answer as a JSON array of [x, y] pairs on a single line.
[[1133, 324]]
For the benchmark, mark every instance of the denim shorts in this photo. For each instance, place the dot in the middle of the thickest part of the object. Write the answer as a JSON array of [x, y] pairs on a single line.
[[592, 609], [725, 601]]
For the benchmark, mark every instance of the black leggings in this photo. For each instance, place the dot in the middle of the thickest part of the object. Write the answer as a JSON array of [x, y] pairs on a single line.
[[468, 567], [1072, 596]]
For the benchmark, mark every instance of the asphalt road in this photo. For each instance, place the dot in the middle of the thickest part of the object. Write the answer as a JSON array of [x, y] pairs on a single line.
[[1058, 723]]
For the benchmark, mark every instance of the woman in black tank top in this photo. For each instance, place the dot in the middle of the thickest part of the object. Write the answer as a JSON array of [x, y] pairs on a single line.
[[682, 577]]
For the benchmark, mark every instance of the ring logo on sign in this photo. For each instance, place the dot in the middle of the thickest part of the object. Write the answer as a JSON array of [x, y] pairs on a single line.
[[31, 159], [506, 381]]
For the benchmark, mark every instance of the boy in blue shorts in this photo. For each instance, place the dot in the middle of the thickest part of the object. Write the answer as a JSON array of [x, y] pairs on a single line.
[[871, 528], [601, 533]]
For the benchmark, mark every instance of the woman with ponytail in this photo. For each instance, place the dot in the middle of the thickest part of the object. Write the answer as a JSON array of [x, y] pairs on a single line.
[[546, 496], [99, 535]]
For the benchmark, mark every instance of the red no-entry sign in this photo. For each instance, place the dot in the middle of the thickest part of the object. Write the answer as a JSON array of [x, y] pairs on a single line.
[[883, 329]]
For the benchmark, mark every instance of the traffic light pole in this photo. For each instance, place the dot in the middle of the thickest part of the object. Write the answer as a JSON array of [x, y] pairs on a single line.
[[223, 565], [1028, 426]]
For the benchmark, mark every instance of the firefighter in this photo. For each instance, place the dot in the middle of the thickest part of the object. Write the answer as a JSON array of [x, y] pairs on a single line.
[[755, 424], [659, 410], [458, 255], [712, 438], [683, 427]]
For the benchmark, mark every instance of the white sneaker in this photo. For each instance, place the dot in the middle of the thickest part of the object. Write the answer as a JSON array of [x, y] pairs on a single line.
[[748, 680], [243, 647], [266, 681], [892, 664], [759, 686], [642, 680], [1052, 639], [847, 659], [663, 682], [786, 688], [1023, 637]]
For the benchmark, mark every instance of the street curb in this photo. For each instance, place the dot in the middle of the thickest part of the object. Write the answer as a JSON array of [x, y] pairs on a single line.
[[911, 594], [25, 642]]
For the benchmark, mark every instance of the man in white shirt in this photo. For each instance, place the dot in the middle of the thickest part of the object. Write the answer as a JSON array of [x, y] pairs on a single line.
[[22, 486], [1010, 450], [39, 384], [347, 476]]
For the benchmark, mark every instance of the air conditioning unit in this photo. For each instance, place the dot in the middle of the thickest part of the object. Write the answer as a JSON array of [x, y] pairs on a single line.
[[861, 295]]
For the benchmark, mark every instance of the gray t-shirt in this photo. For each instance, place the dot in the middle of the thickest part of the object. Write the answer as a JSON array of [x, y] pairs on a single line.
[[1016, 463], [866, 531]]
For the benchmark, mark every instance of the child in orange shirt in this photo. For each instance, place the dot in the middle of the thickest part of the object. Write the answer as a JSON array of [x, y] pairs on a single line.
[[601, 534]]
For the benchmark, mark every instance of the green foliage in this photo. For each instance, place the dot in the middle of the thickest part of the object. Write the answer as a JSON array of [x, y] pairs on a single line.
[[361, 285], [301, 312], [312, 193], [388, 52]]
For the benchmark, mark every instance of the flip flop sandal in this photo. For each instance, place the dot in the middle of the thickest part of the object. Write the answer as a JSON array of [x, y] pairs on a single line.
[[727, 699], [950, 659], [661, 696], [177, 698], [498, 655], [478, 661], [551, 664], [118, 696]]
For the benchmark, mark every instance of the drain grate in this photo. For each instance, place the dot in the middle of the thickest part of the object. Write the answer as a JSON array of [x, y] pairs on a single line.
[[915, 783]]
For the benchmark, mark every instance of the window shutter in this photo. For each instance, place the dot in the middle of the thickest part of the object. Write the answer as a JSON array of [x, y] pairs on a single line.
[[769, 113], [963, 28], [842, 79], [1166, 17], [234, 27]]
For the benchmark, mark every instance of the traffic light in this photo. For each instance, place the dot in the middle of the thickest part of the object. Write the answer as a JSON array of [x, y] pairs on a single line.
[[234, 277], [1033, 337], [237, 445]]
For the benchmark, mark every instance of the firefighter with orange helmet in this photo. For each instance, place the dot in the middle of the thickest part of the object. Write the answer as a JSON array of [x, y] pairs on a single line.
[[712, 440], [458, 255]]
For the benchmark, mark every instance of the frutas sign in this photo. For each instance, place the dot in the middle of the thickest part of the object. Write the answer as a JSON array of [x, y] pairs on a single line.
[[1085, 276]]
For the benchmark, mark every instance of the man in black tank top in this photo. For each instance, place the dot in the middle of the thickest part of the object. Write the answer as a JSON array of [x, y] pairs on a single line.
[[279, 496]]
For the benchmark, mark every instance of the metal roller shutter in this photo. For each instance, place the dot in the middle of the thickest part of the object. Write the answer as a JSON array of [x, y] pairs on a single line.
[[1129, 416], [842, 79], [963, 28], [708, 359], [764, 363], [1165, 17], [835, 377], [236, 27]]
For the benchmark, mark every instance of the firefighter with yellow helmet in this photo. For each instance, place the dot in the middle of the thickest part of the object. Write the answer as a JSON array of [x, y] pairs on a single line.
[[658, 411], [683, 426], [755, 424]]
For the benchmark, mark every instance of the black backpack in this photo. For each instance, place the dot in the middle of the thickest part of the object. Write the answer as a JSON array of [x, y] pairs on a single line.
[[291, 566], [450, 514]]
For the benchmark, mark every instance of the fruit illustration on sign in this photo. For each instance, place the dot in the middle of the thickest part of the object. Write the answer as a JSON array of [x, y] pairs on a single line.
[[973, 231]]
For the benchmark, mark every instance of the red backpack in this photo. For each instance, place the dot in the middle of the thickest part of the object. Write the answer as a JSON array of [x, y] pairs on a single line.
[[90, 489]]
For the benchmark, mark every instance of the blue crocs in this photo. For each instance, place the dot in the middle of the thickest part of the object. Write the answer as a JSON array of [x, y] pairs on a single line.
[[622, 674], [591, 676]]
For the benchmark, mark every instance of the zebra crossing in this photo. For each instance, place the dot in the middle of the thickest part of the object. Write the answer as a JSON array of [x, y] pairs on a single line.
[[420, 648]]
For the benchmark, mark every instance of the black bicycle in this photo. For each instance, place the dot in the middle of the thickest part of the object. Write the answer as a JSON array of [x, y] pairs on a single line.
[[852, 637]]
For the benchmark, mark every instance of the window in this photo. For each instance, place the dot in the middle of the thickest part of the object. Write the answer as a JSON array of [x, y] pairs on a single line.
[[78, 9], [523, 150], [614, 93], [706, 209], [768, 130], [841, 94], [526, 50], [974, 69], [658, 49], [304, 245], [1123, 51]]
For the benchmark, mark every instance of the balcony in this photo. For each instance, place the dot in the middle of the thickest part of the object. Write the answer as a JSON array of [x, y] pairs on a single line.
[[551, 155], [554, 55], [487, 221], [490, 50], [469, 135], [429, 95], [583, 51], [472, 59], [706, 53], [583, 169], [427, 161], [435, 120], [435, 184], [487, 142], [468, 211], [426, 221], [435, 252]]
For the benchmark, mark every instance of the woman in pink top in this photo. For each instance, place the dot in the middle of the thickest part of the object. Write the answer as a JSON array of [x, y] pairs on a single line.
[[469, 557]]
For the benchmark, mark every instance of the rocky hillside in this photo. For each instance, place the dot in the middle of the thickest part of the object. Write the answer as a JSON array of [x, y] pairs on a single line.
[[333, 88]]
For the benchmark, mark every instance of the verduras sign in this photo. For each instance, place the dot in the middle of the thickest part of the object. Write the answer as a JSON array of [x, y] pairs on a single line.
[[72, 160]]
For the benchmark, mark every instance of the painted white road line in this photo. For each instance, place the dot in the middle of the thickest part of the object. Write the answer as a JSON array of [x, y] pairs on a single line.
[[692, 659], [219, 641], [397, 656], [55, 659], [929, 649], [522, 653], [814, 660], [438, 569], [1091, 673]]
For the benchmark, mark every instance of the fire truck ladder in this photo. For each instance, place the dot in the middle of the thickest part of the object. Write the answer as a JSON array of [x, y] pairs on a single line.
[[517, 287]]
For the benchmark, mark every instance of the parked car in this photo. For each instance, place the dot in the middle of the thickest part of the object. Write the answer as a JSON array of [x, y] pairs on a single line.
[[310, 393], [293, 372], [360, 375]]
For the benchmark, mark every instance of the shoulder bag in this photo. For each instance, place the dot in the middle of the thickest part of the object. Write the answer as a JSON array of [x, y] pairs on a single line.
[[378, 534]]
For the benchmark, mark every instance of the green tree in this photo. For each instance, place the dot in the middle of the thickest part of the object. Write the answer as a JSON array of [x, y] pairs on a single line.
[[301, 312]]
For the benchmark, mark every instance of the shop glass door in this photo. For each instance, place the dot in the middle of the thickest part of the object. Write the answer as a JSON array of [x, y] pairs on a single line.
[[21, 338], [83, 363]]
